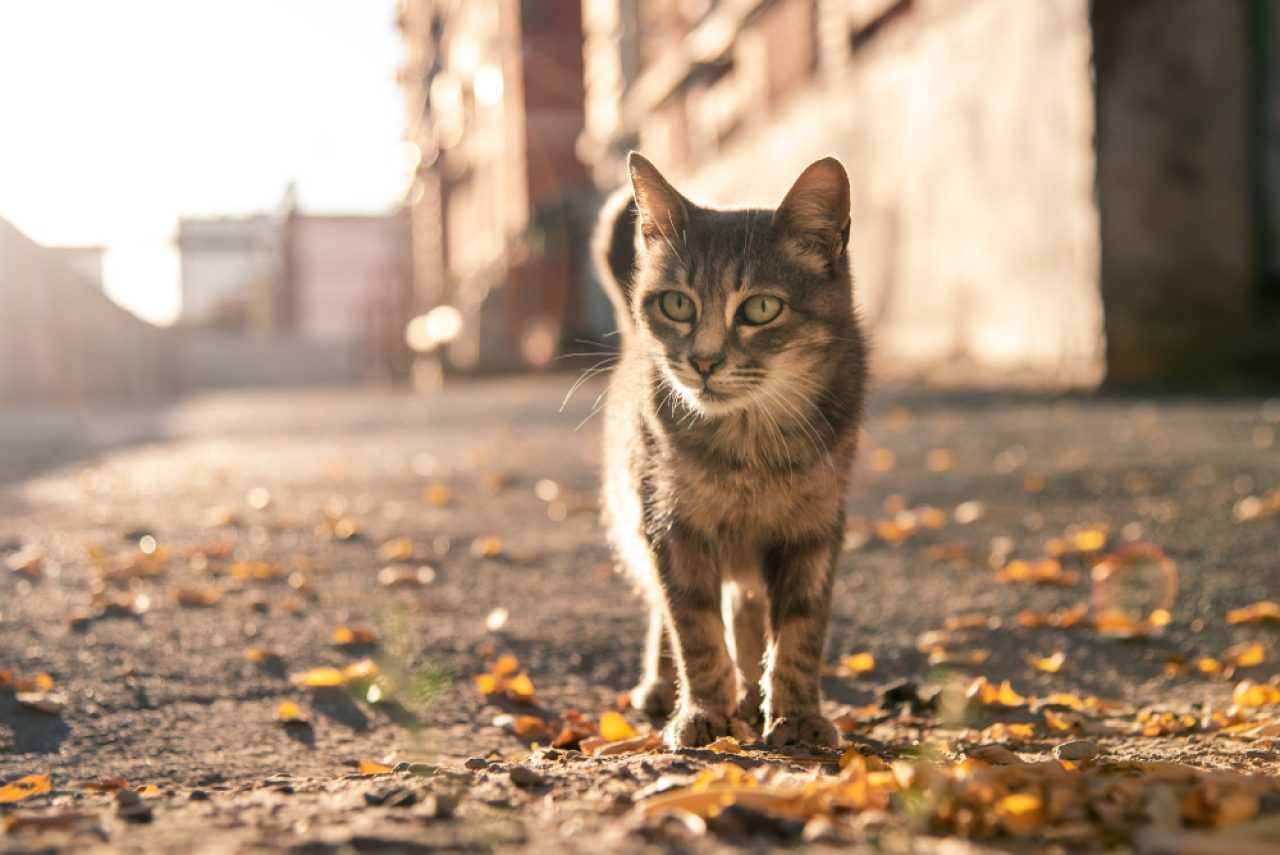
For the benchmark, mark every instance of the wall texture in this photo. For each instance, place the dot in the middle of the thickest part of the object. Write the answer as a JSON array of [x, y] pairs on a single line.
[[63, 340], [967, 129]]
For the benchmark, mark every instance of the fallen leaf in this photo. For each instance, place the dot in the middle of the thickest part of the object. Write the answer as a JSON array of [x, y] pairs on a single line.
[[1246, 655], [371, 767], [197, 597], [346, 636], [725, 745], [1020, 814], [614, 727], [1049, 664], [859, 663], [506, 665], [1262, 612], [319, 678], [520, 689], [24, 788], [290, 713]]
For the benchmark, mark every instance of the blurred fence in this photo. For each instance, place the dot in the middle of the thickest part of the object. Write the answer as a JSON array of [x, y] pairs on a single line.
[[61, 339]]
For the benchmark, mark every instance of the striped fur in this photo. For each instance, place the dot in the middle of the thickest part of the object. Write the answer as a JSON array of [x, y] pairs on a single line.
[[724, 491]]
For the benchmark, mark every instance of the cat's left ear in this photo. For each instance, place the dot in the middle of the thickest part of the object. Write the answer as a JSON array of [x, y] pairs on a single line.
[[813, 219]]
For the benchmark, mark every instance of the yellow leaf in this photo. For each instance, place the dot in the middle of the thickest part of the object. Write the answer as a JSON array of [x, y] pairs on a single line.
[[1250, 694], [1262, 612], [1208, 666], [370, 767], [725, 745], [1007, 696], [290, 713], [320, 678], [1020, 814], [506, 665], [1089, 540], [1049, 664], [614, 727], [489, 684], [1159, 617], [23, 788], [148, 790], [344, 636], [520, 689], [859, 663], [1246, 655]]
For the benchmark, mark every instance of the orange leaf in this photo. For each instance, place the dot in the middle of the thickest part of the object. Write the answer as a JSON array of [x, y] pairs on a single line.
[[1246, 655], [290, 713], [1049, 664], [859, 663], [506, 665], [1263, 612], [614, 727], [370, 767], [520, 689], [24, 788], [320, 678], [489, 684]]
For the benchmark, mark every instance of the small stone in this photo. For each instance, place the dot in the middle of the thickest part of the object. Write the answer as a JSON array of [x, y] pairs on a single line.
[[476, 763], [198, 796], [440, 805], [425, 769], [400, 767], [127, 798], [394, 797], [1077, 750], [523, 776]]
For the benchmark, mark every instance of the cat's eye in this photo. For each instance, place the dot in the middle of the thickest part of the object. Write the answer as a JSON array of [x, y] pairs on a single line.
[[677, 306], [760, 309]]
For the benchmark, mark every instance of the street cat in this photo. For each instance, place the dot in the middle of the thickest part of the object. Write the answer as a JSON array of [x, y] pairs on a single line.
[[731, 424]]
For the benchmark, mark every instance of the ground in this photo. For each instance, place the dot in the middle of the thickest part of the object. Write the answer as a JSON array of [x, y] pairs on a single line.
[[152, 553]]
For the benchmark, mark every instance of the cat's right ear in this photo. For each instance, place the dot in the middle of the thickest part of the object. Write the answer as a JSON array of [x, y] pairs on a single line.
[[663, 211]]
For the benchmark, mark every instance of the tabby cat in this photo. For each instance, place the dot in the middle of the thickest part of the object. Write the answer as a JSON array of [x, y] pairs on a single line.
[[731, 424]]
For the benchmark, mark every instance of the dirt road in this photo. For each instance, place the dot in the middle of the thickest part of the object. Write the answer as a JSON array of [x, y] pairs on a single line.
[[176, 570]]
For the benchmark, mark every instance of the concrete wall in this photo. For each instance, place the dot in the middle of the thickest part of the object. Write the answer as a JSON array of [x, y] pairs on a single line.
[[1180, 266], [63, 340], [967, 128]]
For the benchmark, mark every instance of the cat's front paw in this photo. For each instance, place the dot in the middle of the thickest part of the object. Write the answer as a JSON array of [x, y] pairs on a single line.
[[654, 698], [695, 727], [803, 729]]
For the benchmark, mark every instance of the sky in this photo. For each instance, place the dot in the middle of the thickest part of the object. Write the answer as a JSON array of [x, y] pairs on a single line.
[[117, 118]]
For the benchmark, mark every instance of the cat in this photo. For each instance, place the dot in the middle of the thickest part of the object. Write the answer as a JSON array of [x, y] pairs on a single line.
[[731, 424]]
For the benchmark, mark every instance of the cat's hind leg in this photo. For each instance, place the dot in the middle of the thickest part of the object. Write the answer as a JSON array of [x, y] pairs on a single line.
[[656, 693], [744, 619]]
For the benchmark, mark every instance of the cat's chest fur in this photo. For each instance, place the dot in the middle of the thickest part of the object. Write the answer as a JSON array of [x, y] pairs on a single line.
[[747, 479]]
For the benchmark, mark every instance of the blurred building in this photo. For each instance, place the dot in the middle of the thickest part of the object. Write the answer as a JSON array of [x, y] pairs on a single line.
[[63, 341], [84, 261], [501, 205], [294, 298], [1014, 219]]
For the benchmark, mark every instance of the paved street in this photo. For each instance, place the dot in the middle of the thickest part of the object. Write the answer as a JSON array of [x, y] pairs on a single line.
[[272, 509]]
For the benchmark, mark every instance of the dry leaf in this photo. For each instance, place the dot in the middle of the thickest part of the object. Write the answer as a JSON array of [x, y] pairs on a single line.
[[520, 689], [290, 713], [506, 665], [24, 788], [725, 745], [1049, 664], [614, 727], [319, 678], [345, 636], [1246, 655], [859, 663], [1263, 612], [370, 767]]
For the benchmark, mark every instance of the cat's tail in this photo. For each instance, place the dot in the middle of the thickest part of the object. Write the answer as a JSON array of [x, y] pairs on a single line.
[[614, 251]]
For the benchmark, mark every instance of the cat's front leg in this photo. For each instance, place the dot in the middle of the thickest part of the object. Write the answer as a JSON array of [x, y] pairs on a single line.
[[708, 680], [799, 578]]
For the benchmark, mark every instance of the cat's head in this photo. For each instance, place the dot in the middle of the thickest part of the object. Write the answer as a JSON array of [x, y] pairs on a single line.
[[743, 309]]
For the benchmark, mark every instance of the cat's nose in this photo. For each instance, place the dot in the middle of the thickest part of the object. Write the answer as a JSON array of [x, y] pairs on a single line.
[[704, 365]]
